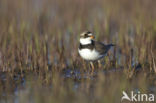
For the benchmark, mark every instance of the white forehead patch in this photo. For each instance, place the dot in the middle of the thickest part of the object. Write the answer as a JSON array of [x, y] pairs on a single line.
[[90, 34]]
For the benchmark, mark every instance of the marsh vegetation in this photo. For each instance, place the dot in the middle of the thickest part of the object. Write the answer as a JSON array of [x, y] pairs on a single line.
[[39, 61]]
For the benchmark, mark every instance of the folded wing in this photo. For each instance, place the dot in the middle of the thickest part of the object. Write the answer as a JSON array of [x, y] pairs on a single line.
[[102, 48]]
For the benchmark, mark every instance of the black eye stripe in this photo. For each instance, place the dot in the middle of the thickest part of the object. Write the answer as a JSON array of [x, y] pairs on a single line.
[[86, 35]]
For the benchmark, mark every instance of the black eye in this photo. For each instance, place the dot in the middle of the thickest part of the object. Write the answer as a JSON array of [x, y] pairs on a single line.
[[86, 35]]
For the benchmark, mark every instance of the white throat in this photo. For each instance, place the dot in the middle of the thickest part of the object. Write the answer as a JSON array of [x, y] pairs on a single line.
[[85, 41]]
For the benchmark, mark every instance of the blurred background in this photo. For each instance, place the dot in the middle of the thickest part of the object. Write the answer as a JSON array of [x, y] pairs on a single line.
[[39, 61]]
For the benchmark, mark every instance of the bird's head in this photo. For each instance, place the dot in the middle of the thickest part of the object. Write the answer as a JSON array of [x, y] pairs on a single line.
[[86, 37]]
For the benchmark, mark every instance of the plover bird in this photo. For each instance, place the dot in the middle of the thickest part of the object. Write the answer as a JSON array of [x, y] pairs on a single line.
[[92, 50]]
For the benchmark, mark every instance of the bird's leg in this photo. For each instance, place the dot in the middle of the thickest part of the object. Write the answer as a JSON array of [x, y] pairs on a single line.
[[92, 65], [99, 64]]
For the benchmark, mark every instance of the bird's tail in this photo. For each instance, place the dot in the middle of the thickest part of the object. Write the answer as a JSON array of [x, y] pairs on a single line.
[[111, 45]]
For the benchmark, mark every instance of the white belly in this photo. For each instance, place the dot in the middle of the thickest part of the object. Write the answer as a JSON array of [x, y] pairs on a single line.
[[90, 55]]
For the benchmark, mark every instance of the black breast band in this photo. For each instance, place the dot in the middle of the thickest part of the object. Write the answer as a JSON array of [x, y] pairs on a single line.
[[87, 46]]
